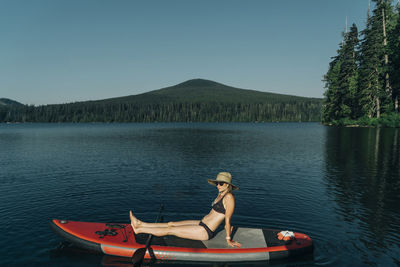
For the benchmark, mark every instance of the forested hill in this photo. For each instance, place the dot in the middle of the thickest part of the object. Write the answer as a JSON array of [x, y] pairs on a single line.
[[8, 102], [195, 100], [203, 91]]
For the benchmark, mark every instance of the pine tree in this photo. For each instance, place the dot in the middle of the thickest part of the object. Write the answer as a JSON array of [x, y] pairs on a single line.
[[375, 89], [388, 20], [331, 104], [341, 81], [349, 74], [394, 41], [370, 86]]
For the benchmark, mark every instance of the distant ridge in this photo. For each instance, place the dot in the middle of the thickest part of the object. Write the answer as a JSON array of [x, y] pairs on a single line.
[[201, 90], [195, 100], [9, 102]]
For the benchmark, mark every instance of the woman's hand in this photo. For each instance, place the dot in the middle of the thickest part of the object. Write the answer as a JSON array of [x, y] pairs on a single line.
[[232, 243]]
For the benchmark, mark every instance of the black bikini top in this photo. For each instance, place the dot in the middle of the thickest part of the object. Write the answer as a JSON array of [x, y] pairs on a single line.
[[219, 206]]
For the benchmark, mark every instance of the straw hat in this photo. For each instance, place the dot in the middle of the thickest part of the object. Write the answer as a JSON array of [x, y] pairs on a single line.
[[225, 177]]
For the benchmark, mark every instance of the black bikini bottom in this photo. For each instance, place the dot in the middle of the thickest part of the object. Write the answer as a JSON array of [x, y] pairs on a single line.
[[208, 230]]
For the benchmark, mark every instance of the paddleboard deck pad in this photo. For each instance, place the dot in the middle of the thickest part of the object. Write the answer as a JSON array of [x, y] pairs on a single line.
[[120, 240]]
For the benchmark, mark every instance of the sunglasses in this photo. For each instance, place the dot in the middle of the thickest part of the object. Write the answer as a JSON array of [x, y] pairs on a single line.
[[220, 183]]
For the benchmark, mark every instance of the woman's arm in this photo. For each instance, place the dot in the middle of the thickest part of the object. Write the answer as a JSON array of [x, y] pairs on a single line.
[[230, 207]]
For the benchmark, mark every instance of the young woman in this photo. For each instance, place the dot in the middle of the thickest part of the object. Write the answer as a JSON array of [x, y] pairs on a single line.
[[222, 209]]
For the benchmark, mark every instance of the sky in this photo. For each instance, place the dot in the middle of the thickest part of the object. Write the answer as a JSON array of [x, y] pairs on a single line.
[[54, 51]]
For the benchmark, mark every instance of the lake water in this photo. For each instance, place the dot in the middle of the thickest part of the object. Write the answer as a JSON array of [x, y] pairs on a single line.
[[341, 186]]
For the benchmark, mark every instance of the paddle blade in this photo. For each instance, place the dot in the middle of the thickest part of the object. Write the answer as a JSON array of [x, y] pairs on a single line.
[[138, 256]]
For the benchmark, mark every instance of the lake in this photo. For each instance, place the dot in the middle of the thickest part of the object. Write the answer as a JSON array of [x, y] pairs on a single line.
[[338, 185]]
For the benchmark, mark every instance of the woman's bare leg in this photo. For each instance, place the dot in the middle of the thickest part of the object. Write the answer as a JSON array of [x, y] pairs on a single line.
[[138, 223], [194, 232], [187, 222], [179, 223], [135, 222]]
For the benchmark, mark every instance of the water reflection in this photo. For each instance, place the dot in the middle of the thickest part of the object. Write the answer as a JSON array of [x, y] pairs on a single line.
[[363, 178], [67, 253], [126, 262]]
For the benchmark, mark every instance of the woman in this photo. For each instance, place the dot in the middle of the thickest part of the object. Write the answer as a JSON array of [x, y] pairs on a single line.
[[222, 209]]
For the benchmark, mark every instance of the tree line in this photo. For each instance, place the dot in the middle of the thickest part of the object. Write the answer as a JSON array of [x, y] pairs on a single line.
[[304, 110], [363, 80]]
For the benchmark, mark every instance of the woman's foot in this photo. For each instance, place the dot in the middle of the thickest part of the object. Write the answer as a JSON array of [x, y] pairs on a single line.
[[135, 222]]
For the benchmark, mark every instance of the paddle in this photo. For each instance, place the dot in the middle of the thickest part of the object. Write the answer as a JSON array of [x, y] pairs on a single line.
[[139, 254]]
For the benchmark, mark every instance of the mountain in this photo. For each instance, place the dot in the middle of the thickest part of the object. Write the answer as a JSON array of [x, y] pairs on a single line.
[[195, 100], [9, 102], [203, 91]]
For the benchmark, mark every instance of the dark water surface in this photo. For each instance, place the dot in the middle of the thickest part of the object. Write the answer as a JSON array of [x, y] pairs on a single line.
[[339, 185]]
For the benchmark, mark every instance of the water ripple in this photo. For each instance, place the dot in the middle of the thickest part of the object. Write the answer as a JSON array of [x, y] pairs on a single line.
[[337, 185]]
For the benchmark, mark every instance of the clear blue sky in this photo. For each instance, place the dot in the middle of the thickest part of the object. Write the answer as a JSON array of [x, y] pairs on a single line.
[[54, 51]]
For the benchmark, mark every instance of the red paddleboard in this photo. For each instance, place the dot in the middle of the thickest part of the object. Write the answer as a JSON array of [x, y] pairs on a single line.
[[120, 240]]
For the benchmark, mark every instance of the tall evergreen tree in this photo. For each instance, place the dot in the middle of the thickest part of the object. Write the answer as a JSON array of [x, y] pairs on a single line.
[[331, 104], [341, 81], [394, 41], [349, 74], [375, 88], [388, 20]]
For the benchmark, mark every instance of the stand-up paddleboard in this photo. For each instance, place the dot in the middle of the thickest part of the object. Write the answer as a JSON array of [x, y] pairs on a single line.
[[120, 240]]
